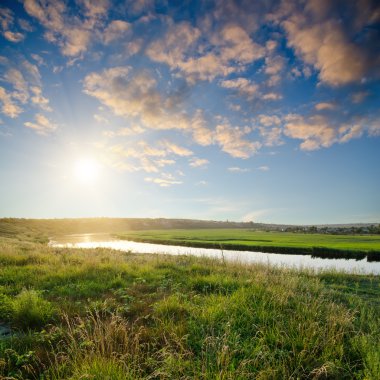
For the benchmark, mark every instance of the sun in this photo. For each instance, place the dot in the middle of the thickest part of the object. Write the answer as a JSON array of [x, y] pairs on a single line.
[[86, 170]]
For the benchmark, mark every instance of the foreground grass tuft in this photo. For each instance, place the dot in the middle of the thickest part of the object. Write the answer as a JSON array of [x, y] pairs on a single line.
[[102, 314]]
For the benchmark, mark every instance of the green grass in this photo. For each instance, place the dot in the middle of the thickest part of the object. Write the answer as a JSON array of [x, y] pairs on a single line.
[[323, 245], [103, 314]]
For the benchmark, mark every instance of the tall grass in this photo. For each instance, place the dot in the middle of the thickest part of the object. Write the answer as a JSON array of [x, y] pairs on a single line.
[[102, 314]]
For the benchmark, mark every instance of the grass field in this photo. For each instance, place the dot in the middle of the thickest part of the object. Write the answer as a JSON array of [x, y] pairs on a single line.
[[102, 314], [316, 244]]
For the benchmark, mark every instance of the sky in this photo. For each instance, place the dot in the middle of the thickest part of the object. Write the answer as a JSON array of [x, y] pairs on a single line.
[[264, 111]]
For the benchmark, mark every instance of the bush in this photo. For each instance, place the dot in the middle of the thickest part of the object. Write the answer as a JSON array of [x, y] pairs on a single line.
[[100, 368], [5, 307], [30, 310]]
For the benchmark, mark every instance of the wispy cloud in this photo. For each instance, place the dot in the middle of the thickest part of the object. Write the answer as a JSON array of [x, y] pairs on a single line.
[[196, 162], [42, 125], [165, 180], [236, 169]]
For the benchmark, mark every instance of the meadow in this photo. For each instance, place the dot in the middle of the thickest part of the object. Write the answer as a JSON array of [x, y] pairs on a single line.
[[102, 314], [322, 245]]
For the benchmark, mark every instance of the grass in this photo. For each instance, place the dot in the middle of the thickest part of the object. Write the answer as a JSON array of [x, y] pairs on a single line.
[[320, 245], [103, 314]]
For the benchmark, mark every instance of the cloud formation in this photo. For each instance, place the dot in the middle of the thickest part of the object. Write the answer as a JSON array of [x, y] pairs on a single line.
[[42, 125], [73, 33], [320, 39], [225, 52]]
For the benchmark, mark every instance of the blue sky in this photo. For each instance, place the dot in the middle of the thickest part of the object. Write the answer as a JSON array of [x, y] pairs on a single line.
[[241, 110]]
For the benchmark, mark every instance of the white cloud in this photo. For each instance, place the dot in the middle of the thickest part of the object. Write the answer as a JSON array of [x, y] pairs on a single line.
[[268, 120], [326, 46], [272, 96], [9, 108], [72, 33], [115, 30], [196, 162], [263, 168], [38, 59], [232, 141], [176, 149], [236, 169], [229, 50], [317, 131], [101, 119], [40, 100], [243, 86], [325, 106], [254, 216], [13, 36], [271, 135], [42, 125], [6, 23], [16, 79], [165, 180]]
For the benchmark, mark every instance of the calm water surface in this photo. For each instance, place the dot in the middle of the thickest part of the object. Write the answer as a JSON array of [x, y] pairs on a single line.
[[280, 260]]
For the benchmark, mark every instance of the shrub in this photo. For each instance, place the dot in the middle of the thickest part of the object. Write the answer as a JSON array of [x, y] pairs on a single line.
[[101, 368], [30, 310]]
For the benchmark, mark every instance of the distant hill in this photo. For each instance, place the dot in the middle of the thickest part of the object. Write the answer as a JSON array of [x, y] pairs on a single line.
[[42, 229]]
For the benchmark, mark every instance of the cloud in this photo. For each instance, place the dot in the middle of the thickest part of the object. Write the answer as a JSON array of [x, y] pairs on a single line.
[[273, 67], [13, 36], [317, 131], [272, 96], [38, 59], [227, 51], [231, 141], [9, 108], [72, 33], [263, 168], [6, 23], [40, 100], [115, 30], [134, 95], [244, 86], [31, 72], [268, 120], [254, 215], [165, 180], [236, 169], [272, 136], [359, 97], [16, 79], [101, 119], [201, 134], [176, 149], [196, 162], [42, 125], [127, 131], [143, 156], [321, 39], [25, 25], [325, 106]]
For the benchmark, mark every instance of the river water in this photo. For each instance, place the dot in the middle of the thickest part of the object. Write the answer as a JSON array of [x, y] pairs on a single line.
[[279, 260]]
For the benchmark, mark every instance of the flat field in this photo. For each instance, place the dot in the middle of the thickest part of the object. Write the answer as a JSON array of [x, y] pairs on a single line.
[[282, 242], [102, 314]]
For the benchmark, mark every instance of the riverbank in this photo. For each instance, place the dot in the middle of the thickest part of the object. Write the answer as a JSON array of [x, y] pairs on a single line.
[[316, 245], [100, 312]]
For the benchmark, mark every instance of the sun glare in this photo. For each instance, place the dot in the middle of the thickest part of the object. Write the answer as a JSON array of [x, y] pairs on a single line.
[[86, 170]]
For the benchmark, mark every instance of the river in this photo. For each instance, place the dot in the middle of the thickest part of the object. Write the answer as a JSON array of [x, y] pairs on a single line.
[[279, 260]]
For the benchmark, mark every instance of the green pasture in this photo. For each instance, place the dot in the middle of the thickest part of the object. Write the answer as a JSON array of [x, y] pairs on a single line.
[[249, 238]]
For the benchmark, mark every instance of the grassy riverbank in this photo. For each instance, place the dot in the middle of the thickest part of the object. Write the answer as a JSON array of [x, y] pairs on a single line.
[[98, 314], [320, 245]]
